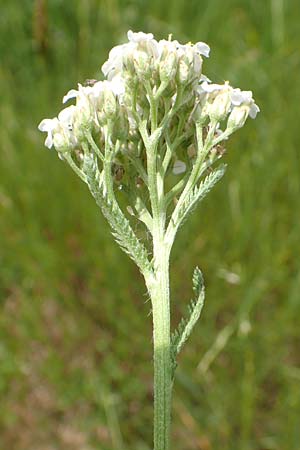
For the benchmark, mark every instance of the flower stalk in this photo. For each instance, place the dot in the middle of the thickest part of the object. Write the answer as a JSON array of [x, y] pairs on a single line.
[[160, 299], [148, 134]]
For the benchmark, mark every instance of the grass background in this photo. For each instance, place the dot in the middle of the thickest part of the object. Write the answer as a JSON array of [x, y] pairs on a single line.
[[75, 331]]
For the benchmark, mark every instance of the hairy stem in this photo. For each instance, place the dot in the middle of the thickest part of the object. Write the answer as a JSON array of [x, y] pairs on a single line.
[[160, 296]]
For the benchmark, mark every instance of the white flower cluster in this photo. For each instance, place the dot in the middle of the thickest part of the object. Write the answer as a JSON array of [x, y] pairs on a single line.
[[141, 73], [93, 103], [144, 56], [216, 101]]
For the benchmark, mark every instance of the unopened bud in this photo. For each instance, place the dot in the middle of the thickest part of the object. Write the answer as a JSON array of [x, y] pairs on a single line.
[[109, 104], [220, 106], [238, 117], [197, 65], [142, 65], [201, 111], [168, 67], [62, 141], [184, 68]]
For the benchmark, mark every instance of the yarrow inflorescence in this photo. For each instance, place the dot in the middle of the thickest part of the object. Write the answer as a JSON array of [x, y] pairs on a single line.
[[149, 136], [139, 73]]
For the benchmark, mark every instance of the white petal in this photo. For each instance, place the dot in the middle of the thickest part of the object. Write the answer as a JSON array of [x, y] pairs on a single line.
[[47, 125], [98, 88], [254, 109], [179, 167], [107, 67], [238, 97], [203, 48], [66, 114], [49, 141], [130, 35], [117, 85], [71, 94], [117, 51], [211, 87], [139, 37], [205, 78]]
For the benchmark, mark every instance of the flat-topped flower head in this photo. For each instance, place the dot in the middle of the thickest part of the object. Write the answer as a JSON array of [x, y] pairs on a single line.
[[149, 83], [143, 56]]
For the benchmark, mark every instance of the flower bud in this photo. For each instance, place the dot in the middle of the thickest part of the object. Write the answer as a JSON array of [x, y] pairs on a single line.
[[168, 67], [238, 117], [220, 106], [62, 141], [142, 65], [109, 104], [202, 109], [197, 63], [183, 71]]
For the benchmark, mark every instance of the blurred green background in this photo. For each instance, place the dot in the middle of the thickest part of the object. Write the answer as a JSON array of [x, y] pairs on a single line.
[[75, 324]]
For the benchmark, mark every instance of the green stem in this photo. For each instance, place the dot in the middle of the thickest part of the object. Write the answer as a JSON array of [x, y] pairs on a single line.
[[73, 165], [160, 296], [158, 286], [107, 163], [94, 146]]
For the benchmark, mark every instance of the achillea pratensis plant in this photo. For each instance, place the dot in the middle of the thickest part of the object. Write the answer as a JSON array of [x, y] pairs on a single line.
[[151, 135]]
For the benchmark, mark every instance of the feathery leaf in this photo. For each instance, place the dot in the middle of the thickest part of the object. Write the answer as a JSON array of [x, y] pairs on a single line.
[[199, 193], [122, 231], [186, 325]]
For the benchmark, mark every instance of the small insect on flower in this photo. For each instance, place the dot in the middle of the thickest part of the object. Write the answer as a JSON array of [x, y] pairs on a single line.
[[219, 150], [90, 82], [118, 172], [139, 182]]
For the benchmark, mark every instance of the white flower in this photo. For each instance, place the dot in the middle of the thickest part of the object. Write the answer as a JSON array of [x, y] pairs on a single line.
[[254, 109], [239, 98], [139, 37], [165, 46], [70, 94], [117, 86], [238, 117], [214, 100], [221, 105], [168, 67], [114, 64], [129, 52], [85, 103], [66, 117], [208, 87], [48, 126], [90, 102], [202, 48], [60, 129], [143, 55]]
